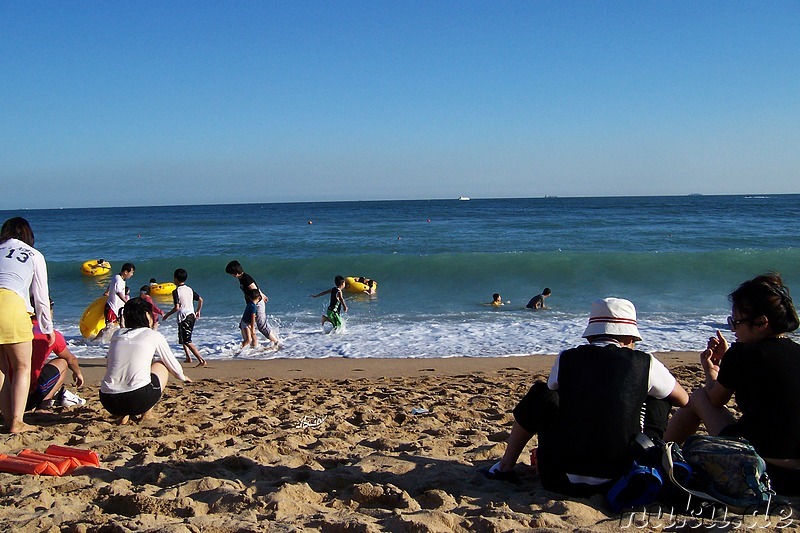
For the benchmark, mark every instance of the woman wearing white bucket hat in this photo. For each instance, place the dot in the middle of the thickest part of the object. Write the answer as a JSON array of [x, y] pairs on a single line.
[[589, 411]]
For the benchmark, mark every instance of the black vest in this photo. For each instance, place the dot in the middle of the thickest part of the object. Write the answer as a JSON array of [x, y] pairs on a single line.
[[601, 392]]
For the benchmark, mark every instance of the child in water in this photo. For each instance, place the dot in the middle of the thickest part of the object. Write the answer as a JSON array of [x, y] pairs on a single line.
[[497, 300], [248, 322], [336, 303]]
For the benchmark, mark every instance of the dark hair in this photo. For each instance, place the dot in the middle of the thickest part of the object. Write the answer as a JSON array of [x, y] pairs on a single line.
[[145, 288], [17, 228], [127, 267], [180, 275], [546, 291], [253, 294], [135, 314], [338, 280], [766, 295], [495, 296], [234, 268]]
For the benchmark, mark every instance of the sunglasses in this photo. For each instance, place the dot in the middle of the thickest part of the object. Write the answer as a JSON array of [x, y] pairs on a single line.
[[732, 323]]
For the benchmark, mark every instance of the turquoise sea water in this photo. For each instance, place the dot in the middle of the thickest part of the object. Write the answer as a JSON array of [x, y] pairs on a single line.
[[436, 262]]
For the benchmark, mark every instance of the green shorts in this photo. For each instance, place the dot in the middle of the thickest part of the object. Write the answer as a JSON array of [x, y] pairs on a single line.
[[335, 319]]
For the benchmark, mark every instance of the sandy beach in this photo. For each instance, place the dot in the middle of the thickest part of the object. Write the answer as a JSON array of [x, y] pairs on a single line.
[[305, 445]]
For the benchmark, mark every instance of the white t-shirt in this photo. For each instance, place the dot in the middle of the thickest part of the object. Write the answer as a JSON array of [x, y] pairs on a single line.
[[185, 301], [115, 289], [130, 355], [24, 271]]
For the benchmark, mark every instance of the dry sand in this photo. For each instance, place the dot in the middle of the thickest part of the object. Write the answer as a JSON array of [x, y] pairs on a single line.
[[305, 445]]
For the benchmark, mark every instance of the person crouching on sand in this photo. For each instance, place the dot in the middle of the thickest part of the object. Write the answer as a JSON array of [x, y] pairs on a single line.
[[138, 365], [588, 412]]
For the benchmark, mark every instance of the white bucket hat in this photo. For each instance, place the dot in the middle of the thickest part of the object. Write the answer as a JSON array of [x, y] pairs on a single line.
[[612, 316]]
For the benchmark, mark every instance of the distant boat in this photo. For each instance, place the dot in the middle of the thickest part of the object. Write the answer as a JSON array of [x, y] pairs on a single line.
[[463, 198]]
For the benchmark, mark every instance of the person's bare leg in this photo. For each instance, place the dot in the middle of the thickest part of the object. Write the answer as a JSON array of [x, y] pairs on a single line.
[[514, 445], [196, 352], [687, 419], [14, 392]]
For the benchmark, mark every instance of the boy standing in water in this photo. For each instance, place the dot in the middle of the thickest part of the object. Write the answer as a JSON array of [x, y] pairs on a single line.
[[116, 296], [248, 322], [247, 283], [184, 297], [337, 302]]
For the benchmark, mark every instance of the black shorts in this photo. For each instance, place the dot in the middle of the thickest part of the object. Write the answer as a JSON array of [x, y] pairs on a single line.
[[135, 402], [46, 382], [185, 328]]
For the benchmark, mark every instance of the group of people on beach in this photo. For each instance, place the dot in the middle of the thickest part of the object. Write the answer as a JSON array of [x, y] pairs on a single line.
[[602, 397], [598, 398]]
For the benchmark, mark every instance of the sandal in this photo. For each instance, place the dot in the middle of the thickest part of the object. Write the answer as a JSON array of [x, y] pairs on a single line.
[[495, 474]]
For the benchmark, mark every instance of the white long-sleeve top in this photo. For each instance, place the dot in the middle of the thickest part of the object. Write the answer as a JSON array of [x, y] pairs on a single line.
[[24, 271], [130, 355]]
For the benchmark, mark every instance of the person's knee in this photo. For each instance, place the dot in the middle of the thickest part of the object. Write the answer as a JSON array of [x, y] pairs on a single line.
[[160, 370]]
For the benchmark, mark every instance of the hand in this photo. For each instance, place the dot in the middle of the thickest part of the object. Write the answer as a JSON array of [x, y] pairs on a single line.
[[718, 346], [51, 339], [187, 380], [711, 357], [77, 379]]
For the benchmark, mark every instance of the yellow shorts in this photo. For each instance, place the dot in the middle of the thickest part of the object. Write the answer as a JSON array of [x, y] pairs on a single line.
[[15, 322]]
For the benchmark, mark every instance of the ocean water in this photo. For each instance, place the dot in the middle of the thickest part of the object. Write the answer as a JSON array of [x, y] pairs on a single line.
[[437, 263]]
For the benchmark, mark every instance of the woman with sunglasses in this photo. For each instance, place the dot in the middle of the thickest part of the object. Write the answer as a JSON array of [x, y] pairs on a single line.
[[762, 368]]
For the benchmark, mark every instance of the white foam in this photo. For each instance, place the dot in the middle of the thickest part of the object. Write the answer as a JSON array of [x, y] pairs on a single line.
[[471, 335]]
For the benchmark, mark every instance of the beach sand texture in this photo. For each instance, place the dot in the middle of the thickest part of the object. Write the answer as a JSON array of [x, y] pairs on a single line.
[[308, 445]]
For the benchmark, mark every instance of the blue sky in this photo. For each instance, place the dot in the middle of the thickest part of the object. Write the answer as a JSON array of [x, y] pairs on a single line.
[[173, 102]]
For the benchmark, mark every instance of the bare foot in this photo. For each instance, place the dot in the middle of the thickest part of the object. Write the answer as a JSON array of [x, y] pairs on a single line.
[[187, 360], [21, 427], [122, 420], [200, 364]]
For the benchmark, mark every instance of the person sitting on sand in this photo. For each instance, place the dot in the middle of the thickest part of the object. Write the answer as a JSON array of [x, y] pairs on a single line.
[[337, 302], [138, 365], [47, 377], [144, 294], [537, 302], [762, 368], [589, 410]]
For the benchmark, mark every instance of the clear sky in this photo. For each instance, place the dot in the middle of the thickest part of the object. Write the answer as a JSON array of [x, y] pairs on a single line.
[[180, 102]]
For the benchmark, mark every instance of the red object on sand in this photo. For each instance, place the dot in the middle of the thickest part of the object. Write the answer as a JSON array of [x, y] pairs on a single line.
[[85, 457], [64, 465], [26, 465]]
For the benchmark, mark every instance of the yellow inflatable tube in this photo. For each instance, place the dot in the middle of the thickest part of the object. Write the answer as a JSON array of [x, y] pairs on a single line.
[[93, 319], [360, 284], [163, 289], [95, 267]]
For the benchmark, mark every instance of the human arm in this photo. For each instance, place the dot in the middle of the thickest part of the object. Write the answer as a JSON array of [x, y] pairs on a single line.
[[678, 397], [167, 358], [712, 356], [170, 313], [72, 364], [321, 293], [340, 297], [40, 294], [176, 305], [199, 301]]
